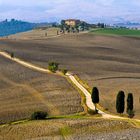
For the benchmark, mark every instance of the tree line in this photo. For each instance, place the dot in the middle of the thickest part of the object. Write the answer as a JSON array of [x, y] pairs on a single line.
[[81, 26], [120, 102], [16, 26]]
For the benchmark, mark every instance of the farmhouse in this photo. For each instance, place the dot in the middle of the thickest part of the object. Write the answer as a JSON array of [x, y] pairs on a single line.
[[72, 22]]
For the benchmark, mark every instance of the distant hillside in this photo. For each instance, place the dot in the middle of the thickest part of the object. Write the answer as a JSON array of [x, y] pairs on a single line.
[[128, 25], [15, 26]]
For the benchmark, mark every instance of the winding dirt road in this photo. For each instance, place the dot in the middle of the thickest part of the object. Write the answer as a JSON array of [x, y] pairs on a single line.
[[89, 102], [72, 78]]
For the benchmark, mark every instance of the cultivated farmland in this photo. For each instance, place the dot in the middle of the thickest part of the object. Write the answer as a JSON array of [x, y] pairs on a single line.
[[110, 62], [113, 31], [74, 129], [37, 34], [23, 91]]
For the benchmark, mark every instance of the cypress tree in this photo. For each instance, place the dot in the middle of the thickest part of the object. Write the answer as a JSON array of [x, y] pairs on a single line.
[[95, 96], [130, 105], [130, 102], [120, 102]]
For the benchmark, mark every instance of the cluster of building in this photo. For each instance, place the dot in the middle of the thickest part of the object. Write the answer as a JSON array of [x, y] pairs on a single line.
[[72, 22], [74, 25]]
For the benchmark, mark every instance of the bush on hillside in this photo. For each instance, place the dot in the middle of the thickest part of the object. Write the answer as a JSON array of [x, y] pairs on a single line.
[[64, 71], [39, 115], [92, 112], [53, 66], [12, 55]]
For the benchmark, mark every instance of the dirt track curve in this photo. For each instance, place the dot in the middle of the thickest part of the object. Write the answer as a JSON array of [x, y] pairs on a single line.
[[71, 77]]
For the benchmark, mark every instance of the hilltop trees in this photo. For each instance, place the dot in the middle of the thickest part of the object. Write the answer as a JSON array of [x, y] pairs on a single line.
[[79, 26], [120, 102], [101, 25], [63, 22], [95, 96], [62, 25], [130, 111], [15, 26]]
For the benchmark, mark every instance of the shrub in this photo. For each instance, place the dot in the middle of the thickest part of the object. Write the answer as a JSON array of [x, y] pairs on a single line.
[[12, 55], [64, 71], [39, 115], [53, 66], [106, 109], [92, 112]]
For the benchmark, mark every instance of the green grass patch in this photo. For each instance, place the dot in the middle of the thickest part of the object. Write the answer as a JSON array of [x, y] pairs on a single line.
[[74, 116], [65, 131], [81, 115], [19, 122], [115, 31]]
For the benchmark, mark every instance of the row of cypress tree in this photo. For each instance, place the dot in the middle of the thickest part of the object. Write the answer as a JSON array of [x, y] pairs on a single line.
[[120, 101]]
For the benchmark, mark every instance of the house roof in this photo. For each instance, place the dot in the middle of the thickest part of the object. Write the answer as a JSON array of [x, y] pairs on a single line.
[[72, 20]]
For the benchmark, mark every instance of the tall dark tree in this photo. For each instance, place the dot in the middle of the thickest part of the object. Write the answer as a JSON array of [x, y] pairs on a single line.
[[130, 102], [101, 25], [95, 96], [130, 105], [63, 22], [120, 102], [63, 25]]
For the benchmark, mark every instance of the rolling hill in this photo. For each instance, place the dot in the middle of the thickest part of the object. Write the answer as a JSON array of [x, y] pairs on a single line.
[[16, 26]]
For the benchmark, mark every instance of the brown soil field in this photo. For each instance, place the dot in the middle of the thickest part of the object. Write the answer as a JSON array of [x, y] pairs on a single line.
[[111, 63], [71, 129], [23, 91], [36, 34]]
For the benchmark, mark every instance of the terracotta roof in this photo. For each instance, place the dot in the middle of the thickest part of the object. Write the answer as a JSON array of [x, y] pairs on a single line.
[[72, 20]]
